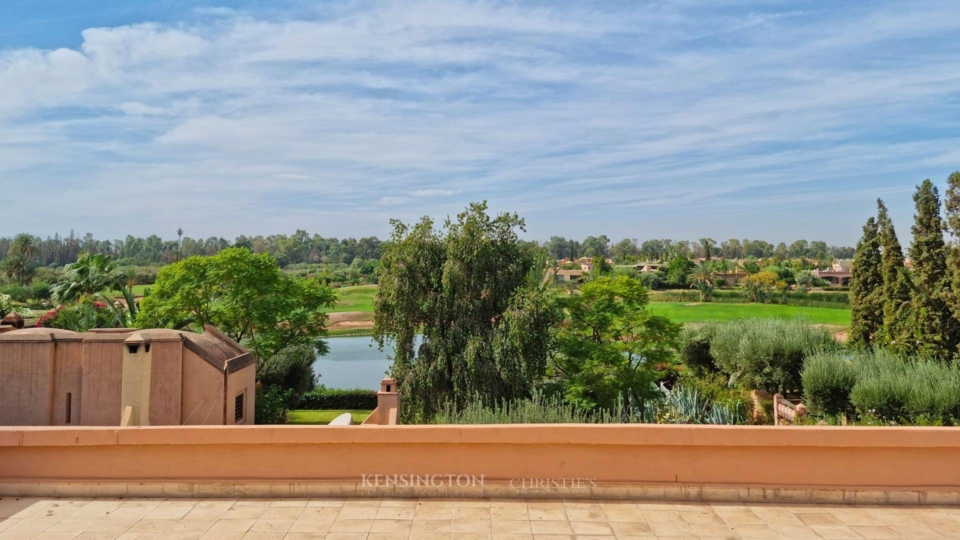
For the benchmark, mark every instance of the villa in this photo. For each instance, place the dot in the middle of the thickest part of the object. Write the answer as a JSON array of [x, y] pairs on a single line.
[[124, 377]]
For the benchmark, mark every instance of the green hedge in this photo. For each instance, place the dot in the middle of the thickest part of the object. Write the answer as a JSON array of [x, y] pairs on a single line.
[[883, 387], [327, 398], [824, 299]]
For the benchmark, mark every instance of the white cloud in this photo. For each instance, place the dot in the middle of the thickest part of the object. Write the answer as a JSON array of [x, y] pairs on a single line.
[[575, 114]]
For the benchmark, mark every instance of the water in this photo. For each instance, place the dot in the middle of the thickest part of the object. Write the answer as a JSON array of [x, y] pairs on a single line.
[[353, 362]]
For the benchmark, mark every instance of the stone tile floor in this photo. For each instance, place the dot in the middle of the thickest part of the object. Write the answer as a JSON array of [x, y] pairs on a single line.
[[428, 519]]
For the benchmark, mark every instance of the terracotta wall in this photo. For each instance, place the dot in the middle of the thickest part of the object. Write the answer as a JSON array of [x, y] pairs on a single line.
[[25, 384], [166, 377], [101, 389], [67, 380], [202, 398], [813, 457], [242, 380]]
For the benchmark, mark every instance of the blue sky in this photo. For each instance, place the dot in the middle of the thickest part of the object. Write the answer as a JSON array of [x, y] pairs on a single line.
[[763, 119]]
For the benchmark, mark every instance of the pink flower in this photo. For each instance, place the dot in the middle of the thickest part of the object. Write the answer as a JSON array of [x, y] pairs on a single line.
[[99, 305]]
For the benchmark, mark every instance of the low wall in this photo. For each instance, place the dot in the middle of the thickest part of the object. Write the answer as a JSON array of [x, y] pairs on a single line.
[[851, 464]]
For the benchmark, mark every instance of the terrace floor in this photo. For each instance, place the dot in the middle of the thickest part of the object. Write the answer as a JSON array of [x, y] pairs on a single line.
[[428, 519]]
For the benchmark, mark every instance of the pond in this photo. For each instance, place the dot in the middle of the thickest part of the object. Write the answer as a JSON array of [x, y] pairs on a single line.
[[353, 362]]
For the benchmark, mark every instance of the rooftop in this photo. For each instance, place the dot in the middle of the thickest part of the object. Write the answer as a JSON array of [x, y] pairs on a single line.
[[412, 519]]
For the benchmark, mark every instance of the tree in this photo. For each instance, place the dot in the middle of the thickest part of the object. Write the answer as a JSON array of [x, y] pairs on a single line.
[[18, 268], [951, 204], [701, 278], [610, 346], [806, 280], [932, 328], [24, 245], [761, 285], [477, 294], [896, 281], [707, 245], [91, 274], [866, 288], [246, 295], [678, 269]]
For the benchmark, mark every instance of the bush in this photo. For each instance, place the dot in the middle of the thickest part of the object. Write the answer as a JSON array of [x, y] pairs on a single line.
[[828, 379], [763, 354], [290, 369], [883, 388], [270, 406], [323, 398], [19, 293], [906, 391], [651, 280], [695, 354], [40, 291]]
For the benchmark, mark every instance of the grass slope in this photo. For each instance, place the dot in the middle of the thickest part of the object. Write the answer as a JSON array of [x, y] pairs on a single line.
[[702, 312], [359, 298], [322, 418]]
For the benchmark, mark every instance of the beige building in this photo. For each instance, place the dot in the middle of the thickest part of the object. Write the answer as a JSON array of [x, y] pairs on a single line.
[[114, 377]]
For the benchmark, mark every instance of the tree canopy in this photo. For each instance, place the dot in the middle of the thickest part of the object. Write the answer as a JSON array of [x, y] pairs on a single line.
[[477, 294], [246, 296]]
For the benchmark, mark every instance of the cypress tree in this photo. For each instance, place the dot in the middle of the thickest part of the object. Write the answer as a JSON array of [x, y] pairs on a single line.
[[932, 329], [951, 204], [896, 286], [866, 288]]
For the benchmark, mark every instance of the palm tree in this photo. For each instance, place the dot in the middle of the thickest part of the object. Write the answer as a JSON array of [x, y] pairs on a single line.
[[701, 278], [24, 245], [17, 268], [91, 274]]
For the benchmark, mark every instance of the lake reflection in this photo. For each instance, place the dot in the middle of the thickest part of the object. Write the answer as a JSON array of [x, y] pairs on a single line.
[[353, 362]]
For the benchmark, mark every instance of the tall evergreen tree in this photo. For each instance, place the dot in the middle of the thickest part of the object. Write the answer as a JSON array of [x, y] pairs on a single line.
[[932, 328], [896, 284], [951, 204], [866, 288]]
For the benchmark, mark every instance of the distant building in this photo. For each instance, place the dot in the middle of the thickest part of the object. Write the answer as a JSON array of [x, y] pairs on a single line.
[[114, 377], [565, 276], [648, 266]]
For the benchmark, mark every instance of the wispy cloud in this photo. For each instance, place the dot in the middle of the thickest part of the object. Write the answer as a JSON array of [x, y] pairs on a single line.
[[619, 118]]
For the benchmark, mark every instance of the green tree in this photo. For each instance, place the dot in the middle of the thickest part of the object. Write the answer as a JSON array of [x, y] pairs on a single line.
[[932, 328], [951, 204], [18, 268], [24, 245], [866, 288], [896, 281], [701, 278], [476, 293], [246, 295], [678, 269], [610, 346], [91, 274], [708, 245]]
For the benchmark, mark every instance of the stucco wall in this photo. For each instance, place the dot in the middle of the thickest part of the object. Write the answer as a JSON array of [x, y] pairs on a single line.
[[242, 380], [25, 383], [67, 380], [102, 391], [635, 455], [202, 398], [165, 383]]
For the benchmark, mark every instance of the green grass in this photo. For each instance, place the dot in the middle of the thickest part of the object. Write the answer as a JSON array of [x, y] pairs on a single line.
[[359, 298], [322, 418], [702, 312]]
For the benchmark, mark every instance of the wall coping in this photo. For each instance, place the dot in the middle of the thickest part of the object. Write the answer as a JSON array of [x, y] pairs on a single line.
[[526, 434]]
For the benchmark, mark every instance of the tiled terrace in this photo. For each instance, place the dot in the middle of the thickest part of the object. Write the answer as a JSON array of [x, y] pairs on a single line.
[[365, 519]]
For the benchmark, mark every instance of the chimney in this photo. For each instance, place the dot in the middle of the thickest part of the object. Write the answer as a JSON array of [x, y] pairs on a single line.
[[388, 402]]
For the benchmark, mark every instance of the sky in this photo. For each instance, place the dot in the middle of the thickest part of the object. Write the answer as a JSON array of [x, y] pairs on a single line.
[[678, 119]]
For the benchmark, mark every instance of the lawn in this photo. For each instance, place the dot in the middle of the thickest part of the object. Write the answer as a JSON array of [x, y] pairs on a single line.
[[700, 312], [359, 298], [322, 418]]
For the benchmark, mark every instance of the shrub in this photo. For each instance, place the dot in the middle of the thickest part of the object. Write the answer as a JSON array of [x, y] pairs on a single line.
[[536, 410], [906, 391], [270, 405], [695, 354], [290, 369], [650, 280], [40, 291], [763, 354], [324, 398], [16, 291], [828, 379]]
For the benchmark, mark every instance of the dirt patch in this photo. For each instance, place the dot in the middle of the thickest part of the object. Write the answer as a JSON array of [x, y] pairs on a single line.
[[350, 320]]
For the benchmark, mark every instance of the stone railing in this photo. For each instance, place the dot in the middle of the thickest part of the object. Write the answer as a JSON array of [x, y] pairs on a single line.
[[680, 462], [785, 412]]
